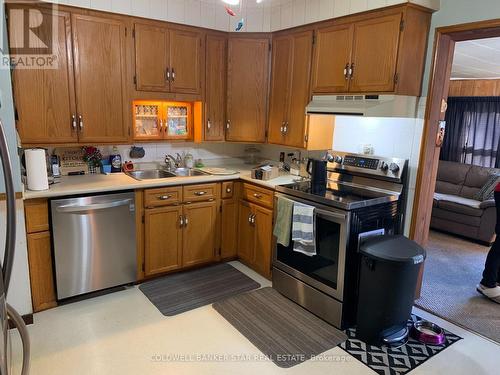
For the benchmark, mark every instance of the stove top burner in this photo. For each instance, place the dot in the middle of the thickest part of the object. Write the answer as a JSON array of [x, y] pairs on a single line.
[[339, 194]]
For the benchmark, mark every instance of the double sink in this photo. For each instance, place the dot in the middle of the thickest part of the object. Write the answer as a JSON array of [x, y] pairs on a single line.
[[155, 174]]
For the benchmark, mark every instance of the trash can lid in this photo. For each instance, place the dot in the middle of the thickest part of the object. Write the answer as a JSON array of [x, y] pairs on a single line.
[[394, 249]]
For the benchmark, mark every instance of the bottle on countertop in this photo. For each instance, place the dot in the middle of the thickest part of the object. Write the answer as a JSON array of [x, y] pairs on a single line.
[[115, 160]]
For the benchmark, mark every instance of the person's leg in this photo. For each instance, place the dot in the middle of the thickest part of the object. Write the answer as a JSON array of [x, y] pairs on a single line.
[[492, 266]]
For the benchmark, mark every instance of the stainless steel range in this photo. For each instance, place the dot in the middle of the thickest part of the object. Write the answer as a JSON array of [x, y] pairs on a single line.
[[364, 196]]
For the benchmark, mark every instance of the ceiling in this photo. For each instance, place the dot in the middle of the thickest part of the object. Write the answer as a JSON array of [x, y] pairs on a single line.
[[477, 59]]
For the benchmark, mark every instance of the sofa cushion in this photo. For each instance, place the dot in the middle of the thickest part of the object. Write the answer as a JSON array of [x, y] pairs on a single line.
[[488, 189], [458, 204], [475, 180], [456, 217], [451, 176]]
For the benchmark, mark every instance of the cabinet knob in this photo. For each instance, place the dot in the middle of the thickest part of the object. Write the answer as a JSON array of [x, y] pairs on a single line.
[[73, 122], [252, 219], [285, 128], [228, 124], [181, 221], [200, 193], [167, 74], [186, 221], [258, 196], [346, 71], [164, 197], [228, 190], [351, 71], [80, 119], [173, 75], [209, 125]]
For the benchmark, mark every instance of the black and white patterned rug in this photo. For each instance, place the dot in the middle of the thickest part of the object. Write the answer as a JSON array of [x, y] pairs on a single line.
[[394, 361]]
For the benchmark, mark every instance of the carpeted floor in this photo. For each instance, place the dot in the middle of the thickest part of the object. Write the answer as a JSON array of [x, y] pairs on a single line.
[[452, 270]]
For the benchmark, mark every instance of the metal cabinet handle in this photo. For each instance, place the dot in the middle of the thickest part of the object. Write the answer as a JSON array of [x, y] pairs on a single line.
[[252, 219], [173, 75], [346, 71], [186, 221], [181, 221], [351, 71], [285, 128], [228, 190], [200, 193], [209, 124], [282, 128], [164, 197], [80, 119], [258, 196], [228, 124], [167, 74], [73, 122]]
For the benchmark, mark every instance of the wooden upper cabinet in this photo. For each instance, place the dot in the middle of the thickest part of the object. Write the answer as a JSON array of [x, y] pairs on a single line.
[[45, 98], [185, 61], [163, 240], [375, 54], [332, 57], [299, 89], [247, 89], [167, 60], [215, 88], [200, 221], [151, 57], [290, 84], [281, 69], [100, 78]]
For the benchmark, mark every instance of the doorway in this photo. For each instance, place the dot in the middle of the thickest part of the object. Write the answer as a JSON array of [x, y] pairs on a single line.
[[475, 313]]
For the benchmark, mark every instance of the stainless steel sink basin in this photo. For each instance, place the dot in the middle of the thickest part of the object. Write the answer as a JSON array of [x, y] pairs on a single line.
[[188, 172], [151, 174]]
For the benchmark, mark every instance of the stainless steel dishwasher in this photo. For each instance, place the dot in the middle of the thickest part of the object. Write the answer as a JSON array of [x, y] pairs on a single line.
[[94, 243]]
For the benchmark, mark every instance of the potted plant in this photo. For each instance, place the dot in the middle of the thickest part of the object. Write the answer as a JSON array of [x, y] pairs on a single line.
[[93, 157]]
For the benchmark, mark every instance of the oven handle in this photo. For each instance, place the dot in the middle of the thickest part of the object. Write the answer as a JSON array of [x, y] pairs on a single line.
[[318, 209]]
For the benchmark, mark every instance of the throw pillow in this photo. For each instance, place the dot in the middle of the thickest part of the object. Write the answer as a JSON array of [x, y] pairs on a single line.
[[488, 190]]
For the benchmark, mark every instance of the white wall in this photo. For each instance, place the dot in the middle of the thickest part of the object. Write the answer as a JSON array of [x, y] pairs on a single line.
[[269, 15]]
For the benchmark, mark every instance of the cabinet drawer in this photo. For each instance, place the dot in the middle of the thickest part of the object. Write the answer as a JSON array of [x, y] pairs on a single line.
[[227, 189], [258, 195], [37, 215], [197, 193], [162, 196]]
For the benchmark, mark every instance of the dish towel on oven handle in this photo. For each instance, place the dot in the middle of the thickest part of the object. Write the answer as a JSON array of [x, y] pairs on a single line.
[[283, 226], [303, 229]]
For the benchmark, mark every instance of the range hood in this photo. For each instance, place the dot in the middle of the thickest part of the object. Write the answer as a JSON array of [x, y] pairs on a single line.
[[364, 105]]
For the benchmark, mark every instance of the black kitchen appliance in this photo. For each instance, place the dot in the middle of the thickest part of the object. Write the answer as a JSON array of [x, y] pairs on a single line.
[[360, 196], [388, 279], [318, 172]]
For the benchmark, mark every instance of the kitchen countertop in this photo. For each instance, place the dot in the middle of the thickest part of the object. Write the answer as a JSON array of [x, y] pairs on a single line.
[[99, 183]]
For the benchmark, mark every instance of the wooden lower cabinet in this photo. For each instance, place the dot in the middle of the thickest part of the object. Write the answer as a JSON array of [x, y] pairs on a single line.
[[229, 224], [255, 237], [43, 294], [163, 240], [199, 234]]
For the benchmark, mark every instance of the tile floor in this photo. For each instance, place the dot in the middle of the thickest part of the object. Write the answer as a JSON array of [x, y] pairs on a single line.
[[123, 333]]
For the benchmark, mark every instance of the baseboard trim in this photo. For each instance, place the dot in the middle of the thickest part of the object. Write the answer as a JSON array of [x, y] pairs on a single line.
[[28, 319]]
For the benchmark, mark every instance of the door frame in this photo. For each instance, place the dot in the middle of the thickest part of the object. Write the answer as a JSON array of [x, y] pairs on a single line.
[[439, 80]]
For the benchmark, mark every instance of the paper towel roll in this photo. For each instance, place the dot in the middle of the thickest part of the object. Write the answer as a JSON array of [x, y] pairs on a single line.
[[36, 169]]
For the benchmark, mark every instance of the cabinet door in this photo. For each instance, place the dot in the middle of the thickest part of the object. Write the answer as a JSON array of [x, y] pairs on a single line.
[[229, 228], [199, 233], [375, 54], [246, 233], [215, 81], [151, 58], [280, 88], [45, 98], [332, 52], [163, 240], [263, 224], [148, 120], [100, 76], [185, 61], [299, 89], [248, 70], [43, 293]]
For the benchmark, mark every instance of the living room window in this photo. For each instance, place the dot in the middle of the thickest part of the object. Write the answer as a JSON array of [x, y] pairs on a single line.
[[473, 131]]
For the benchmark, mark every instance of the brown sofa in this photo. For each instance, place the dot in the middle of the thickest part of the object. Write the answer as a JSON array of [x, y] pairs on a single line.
[[454, 208]]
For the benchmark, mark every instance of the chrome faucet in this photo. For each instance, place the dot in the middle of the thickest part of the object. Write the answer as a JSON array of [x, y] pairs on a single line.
[[175, 161]]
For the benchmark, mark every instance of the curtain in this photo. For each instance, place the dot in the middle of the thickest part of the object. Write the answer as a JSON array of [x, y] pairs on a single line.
[[472, 131]]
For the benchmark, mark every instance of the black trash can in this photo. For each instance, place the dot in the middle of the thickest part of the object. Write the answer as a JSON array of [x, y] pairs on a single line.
[[388, 279]]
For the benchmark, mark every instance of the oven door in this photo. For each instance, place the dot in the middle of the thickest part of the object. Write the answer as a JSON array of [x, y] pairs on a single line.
[[325, 270]]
